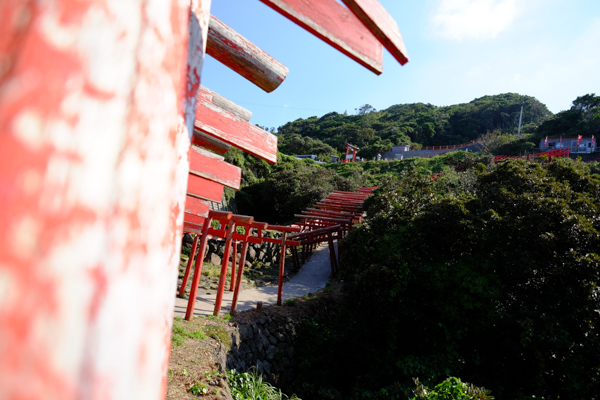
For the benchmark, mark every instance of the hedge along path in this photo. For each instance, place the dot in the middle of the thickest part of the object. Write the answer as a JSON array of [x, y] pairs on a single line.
[[316, 227]]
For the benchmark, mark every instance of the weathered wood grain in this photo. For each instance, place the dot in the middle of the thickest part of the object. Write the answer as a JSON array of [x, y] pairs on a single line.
[[195, 206], [211, 166], [230, 129], [208, 142], [225, 103], [193, 219], [337, 26], [205, 189], [243, 57], [382, 25], [189, 227]]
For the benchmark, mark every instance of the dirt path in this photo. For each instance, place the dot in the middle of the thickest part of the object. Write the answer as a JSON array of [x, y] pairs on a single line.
[[312, 277]]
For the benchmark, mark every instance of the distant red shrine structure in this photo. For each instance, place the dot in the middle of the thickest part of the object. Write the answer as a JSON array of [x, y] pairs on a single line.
[[100, 101]]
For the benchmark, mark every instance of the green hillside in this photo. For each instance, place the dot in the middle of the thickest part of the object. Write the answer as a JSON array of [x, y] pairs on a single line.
[[413, 124]]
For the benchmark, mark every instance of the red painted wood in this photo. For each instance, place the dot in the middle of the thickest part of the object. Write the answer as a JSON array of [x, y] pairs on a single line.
[[188, 267], [224, 265], [93, 174], [223, 125], [336, 25], [225, 103], [212, 167], [281, 269], [193, 219], [189, 314], [233, 262], [204, 189], [243, 57], [196, 206], [189, 227], [242, 219], [382, 25], [240, 274], [282, 228], [208, 142]]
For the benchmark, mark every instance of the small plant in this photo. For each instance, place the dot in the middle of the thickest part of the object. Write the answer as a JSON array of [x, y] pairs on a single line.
[[199, 389], [328, 284], [219, 333], [452, 388], [227, 317], [210, 374], [291, 302], [250, 386]]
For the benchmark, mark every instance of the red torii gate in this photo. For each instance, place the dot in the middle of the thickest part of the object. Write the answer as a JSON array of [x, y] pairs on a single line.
[[350, 150], [100, 100]]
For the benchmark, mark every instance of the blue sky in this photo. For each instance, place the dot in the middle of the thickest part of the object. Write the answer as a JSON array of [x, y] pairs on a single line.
[[459, 50]]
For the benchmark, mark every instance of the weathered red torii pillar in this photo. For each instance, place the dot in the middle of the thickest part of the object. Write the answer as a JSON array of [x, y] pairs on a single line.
[[98, 105]]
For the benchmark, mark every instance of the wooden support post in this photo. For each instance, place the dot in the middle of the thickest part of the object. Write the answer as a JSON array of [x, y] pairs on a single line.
[[197, 272], [281, 269], [233, 262], [240, 274], [94, 140], [224, 265], [188, 268]]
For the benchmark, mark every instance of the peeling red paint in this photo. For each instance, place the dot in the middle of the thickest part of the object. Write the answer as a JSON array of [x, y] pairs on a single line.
[[92, 185]]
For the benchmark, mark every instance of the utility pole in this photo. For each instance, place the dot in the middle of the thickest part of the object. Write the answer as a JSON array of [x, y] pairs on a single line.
[[520, 118]]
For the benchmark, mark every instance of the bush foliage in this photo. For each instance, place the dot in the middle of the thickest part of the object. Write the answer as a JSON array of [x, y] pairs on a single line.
[[490, 274]]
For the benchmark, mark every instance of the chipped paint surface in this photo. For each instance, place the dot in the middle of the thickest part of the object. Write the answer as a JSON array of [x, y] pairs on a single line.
[[336, 25], [94, 149], [243, 57], [382, 25], [233, 130]]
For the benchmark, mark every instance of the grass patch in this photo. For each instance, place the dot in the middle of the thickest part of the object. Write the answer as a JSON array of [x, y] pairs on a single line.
[[183, 331], [219, 333], [250, 386]]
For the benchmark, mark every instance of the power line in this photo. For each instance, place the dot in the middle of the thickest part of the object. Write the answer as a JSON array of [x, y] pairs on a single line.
[[275, 106]]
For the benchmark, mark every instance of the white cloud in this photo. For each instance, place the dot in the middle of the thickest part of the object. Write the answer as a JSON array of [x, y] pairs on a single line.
[[473, 19]]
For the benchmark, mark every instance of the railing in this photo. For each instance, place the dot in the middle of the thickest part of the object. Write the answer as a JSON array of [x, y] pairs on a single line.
[[449, 147]]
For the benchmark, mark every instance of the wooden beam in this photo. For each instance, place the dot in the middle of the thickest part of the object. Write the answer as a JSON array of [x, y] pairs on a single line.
[[208, 142], [337, 26], [225, 103], [382, 25], [193, 219], [195, 206], [226, 127], [205, 189], [211, 166], [239, 54]]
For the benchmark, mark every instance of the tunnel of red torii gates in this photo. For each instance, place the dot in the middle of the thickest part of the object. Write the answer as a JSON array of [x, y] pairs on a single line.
[[108, 145]]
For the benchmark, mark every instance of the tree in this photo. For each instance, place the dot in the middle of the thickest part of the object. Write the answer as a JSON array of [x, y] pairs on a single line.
[[365, 109]]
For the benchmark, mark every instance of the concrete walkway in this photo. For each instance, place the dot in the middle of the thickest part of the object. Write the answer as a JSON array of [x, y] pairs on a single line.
[[312, 276]]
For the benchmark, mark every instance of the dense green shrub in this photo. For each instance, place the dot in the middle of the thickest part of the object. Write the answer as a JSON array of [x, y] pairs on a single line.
[[292, 186], [492, 276]]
